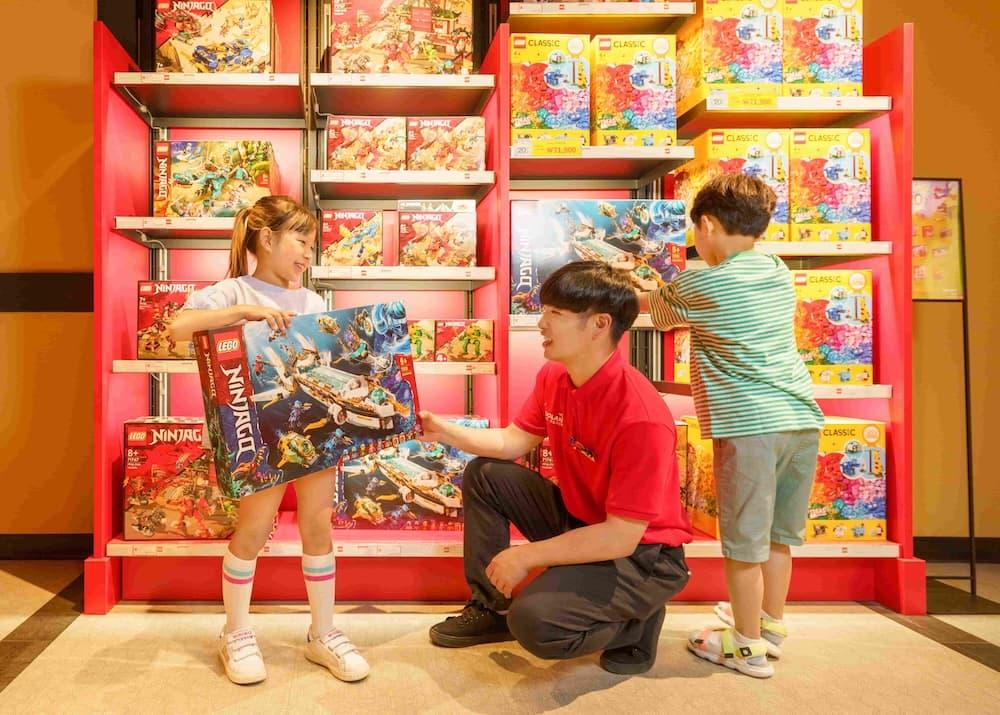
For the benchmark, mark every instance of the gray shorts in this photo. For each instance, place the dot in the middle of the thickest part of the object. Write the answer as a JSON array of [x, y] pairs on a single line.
[[763, 483]]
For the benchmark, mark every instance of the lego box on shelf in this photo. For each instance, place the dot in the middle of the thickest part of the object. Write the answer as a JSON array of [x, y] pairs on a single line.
[[831, 185], [761, 153], [401, 36], [422, 336], [833, 325], [280, 405], [550, 88], [848, 501], [170, 491], [159, 302], [644, 237], [213, 178], [702, 505], [681, 429], [823, 48], [446, 144], [351, 237], [437, 233], [633, 97], [215, 36], [360, 143], [464, 341], [732, 47], [682, 355], [413, 486]]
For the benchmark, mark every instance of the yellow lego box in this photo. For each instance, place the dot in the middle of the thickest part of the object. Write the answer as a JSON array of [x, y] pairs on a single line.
[[762, 153], [682, 355], [550, 88], [834, 325], [702, 505], [848, 501], [831, 185], [823, 48], [634, 98], [682, 446], [730, 52]]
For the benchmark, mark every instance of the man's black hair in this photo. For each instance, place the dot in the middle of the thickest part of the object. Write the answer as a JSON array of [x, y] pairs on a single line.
[[593, 287]]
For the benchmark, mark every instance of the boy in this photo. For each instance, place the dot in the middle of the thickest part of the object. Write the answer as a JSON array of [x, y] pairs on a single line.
[[610, 536], [754, 398]]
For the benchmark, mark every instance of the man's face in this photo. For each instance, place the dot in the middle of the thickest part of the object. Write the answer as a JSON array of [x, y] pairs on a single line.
[[565, 335]]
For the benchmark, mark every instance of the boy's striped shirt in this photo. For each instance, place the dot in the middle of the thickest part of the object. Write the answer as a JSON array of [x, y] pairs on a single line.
[[746, 374]]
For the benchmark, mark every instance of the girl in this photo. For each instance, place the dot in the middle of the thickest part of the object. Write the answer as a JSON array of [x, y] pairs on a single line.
[[281, 234]]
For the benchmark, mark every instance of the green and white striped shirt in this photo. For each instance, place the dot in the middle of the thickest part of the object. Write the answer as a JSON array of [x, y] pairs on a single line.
[[746, 374]]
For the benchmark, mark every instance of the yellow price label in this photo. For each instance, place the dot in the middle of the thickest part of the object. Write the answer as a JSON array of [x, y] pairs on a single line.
[[556, 148], [753, 100]]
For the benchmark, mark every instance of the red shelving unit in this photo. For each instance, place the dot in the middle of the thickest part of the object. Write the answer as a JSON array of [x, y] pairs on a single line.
[[420, 566]]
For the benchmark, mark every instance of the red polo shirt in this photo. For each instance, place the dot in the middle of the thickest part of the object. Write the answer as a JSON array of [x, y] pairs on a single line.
[[613, 447]]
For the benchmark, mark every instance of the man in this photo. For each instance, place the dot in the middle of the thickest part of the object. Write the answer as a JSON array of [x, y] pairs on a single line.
[[610, 536]]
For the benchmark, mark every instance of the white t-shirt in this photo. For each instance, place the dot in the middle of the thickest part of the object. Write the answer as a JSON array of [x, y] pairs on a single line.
[[247, 290]]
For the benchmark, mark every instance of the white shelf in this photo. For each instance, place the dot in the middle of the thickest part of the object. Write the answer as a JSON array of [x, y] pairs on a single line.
[[806, 249], [599, 162], [360, 185], [602, 8], [188, 367], [455, 368], [402, 277], [384, 94], [177, 232], [820, 392], [530, 322], [599, 17], [811, 550]]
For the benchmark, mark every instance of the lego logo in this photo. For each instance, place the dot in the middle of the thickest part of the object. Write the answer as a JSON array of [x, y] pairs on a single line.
[[718, 137], [163, 6], [605, 43], [520, 43], [139, 436], [225, 346], [801, 279], [800, 137], [162, 149], [145, 289]]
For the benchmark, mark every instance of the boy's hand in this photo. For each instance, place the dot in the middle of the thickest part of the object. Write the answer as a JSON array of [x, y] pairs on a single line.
[[276, 319], [432, 427]]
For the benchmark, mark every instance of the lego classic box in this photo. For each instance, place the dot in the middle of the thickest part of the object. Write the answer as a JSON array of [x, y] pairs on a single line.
[[215, 36], [211, 178], [351, 237], [401, 36], [831, 185], [701, 501], [464, 341], [550, 88], [360, 143], [170, 491], [446, 144], [644, 237], [280, 405], [159, 302], [823, 48], [437, 233]]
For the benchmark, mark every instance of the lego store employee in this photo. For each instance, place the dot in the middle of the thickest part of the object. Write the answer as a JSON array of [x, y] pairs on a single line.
[[281, 234], [754, 398], [610, 536]]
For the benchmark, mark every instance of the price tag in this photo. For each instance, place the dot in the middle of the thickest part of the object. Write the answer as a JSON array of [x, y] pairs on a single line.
[[556, 149], [721, 99]]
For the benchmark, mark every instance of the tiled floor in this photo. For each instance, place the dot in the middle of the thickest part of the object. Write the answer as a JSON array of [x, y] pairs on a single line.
[[141, 659]]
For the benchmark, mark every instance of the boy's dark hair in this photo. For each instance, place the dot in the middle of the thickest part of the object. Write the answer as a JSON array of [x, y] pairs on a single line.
[[593, 287], [742, 204]]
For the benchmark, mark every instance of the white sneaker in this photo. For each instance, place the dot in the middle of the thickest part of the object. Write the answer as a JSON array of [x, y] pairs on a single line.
[[241, 657], [334, 651]]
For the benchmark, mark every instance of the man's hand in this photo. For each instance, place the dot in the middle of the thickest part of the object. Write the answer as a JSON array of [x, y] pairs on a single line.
[[432, 427], [508, 569]]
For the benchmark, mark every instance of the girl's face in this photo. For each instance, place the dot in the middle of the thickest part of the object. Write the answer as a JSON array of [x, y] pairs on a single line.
[[287, 254]]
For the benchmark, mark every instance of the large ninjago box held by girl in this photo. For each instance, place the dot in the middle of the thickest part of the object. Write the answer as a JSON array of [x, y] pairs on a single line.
[[280, 405]]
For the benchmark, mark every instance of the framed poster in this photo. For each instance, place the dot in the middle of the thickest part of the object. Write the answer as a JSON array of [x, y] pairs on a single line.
[[937, 240]]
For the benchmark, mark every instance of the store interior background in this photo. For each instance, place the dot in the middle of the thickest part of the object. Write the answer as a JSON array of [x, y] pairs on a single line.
[[46, 221]]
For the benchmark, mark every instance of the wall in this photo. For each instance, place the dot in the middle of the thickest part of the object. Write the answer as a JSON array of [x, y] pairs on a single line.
[[45, 223], [955, 136]]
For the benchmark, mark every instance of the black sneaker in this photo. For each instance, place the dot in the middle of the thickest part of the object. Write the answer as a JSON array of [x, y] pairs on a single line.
[[476, 624], [638, 658]]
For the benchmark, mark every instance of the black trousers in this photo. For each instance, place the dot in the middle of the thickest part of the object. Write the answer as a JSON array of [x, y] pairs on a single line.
[[568, 611]]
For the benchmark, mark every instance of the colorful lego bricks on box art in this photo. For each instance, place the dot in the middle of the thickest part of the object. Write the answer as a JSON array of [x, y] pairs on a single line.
[[401, 36], [831, 185], [211, 178], [170, 491], [823, 48], [437, 233], [215, 36], [361, 143], [159, 302], [848, 501], [550, 88], [833, 325], [413, 486], [281, 405], [446, 144], [464, 341], [644, 237], [351, 237]]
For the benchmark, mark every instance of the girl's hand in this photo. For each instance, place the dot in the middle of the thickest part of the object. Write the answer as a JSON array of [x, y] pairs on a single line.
[[276, 319]]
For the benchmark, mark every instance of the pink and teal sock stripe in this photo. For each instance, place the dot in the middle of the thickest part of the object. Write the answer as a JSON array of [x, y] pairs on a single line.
[[319, 573], [236, 576]]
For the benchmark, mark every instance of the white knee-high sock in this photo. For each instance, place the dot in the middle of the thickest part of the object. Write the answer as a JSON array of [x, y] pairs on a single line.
[[320, 574], [237, 586]]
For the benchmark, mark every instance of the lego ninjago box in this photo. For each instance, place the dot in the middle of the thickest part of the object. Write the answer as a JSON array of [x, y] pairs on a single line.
[[464, 341], [643, 237], [422, 333], [351, 237], [283, 404], [437, 233], [215, 36], [170, 490], [159, 302], [446, 144], [360, 143], [413, 486]]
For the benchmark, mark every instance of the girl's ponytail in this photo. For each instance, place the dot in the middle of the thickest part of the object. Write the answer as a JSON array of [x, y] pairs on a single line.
[[278, 213], [238, 248]]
